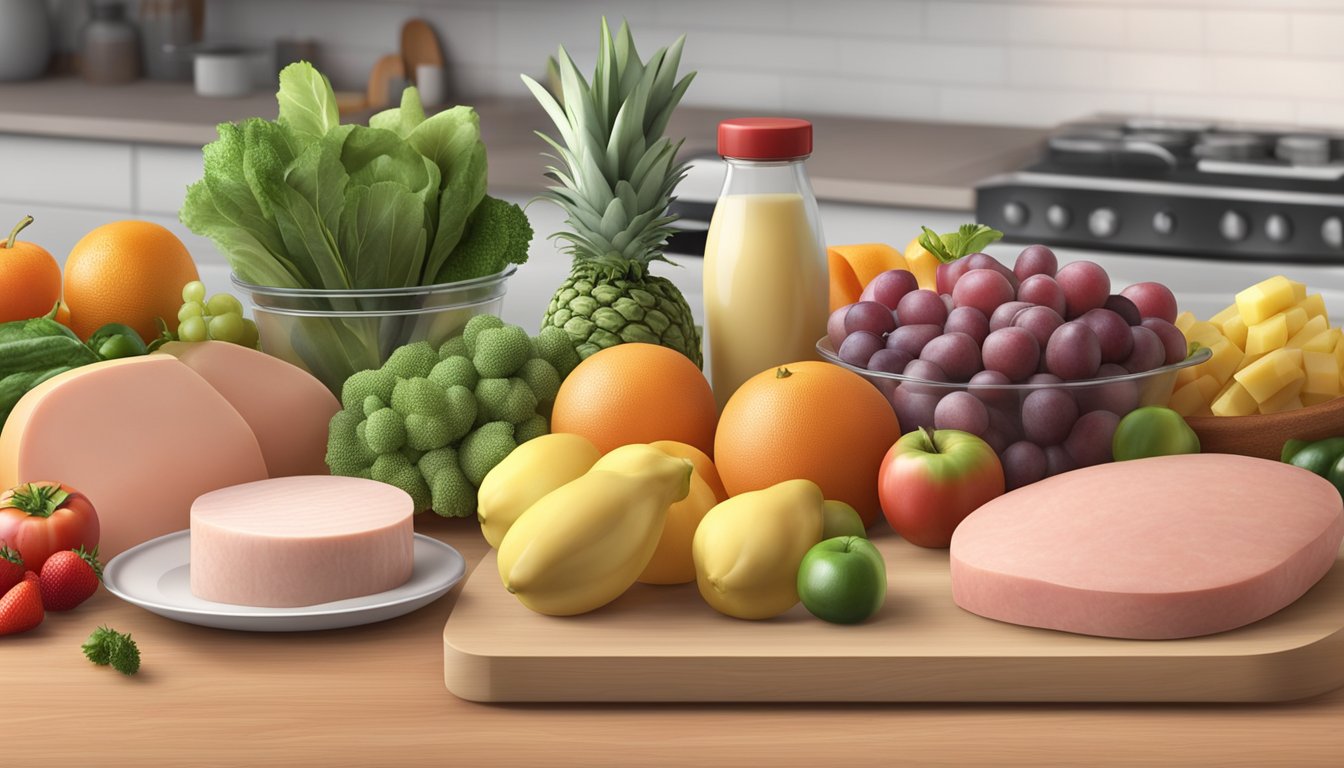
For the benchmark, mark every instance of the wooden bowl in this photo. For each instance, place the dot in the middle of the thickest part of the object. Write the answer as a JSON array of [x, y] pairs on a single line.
[[1263, 436]]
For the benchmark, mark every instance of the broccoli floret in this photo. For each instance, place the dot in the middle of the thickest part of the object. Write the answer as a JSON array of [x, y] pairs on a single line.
[[541, 378], [412, 454], [462, 410], [412, 361], [373, 403], [508, 400], [500, 352], [375, 383], [425, 433], [484, 448], [451, 494], [474, 327], [555, 347], [455, 370], [454, 347], [418, 396], [385, 431], [347, 453], [533, 426], [396, 469], [497, 234], [433, 462]]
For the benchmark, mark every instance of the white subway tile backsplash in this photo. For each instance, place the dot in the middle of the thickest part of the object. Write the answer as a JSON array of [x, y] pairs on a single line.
[[1032, 62], [1247, 31]]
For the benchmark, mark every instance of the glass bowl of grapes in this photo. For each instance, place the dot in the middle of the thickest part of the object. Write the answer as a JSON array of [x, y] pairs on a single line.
[[1038, 359]]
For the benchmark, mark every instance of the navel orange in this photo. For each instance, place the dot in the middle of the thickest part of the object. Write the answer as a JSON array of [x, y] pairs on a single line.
[[636, 393], [808, 420], [127, 272]]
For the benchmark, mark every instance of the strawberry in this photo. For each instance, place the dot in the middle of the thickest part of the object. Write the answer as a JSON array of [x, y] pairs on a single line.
[[21, 607], [11, 568], [69, 578]]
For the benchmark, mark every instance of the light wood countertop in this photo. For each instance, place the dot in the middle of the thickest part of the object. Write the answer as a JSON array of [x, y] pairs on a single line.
[[857, 160], [375, 695]]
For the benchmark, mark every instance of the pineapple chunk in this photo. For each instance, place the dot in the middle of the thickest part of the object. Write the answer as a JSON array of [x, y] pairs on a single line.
[[1279, 403], [1309, 399], [1204, 332], [1193, 399], [1325, 341], [1184, 320], [1267, 298], [1322, 373], [1314, 327], [1187, 375], [1296, 318], [1234, 400], [1224, 314], [1226, 360], [1313, 305], [1266, 335], [1235, 330], [1299, 291], [1265, 377]]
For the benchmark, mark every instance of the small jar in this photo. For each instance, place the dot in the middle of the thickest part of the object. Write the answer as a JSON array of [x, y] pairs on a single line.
[[111, 47]]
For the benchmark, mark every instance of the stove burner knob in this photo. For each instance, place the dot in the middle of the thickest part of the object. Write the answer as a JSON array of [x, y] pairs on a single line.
[[1058, 217], [1234, 226], [1014, 214], [1103, 222], [1278, 228], [1332, 232], [1164, 222]]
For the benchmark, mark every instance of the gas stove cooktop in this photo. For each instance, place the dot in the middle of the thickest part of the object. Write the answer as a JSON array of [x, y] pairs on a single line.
[[1177, 187]]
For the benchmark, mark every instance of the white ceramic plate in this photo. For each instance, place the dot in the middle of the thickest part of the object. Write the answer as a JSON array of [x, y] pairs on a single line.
[[154, 575]]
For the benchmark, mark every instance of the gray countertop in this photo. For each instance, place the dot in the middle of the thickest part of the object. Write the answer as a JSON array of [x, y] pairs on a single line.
[[880, 162]]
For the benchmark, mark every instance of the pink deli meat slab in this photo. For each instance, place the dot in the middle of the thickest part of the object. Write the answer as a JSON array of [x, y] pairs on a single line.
[[1160, 548], [142, 437], [296, 541], [286, 407]]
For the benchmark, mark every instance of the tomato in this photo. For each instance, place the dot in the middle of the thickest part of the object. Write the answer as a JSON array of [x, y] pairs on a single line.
[[43, 518]]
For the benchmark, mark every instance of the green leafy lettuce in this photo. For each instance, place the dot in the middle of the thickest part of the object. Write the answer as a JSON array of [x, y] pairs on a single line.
[[305, 202]]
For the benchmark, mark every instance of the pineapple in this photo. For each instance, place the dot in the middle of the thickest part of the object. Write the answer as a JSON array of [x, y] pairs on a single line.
[[616, 177]]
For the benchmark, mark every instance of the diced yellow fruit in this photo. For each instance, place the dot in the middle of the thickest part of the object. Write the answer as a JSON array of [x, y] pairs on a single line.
[[1234, 400], [1226, 360], [1271, 373], [1322, 373], [1296, 318], [1204, 332], [1188, 375], [1324, 341], [1339, 353], [1314, 327], [1267, 298], [1235, 331], [1313, 305], [1278, 404], [1310, 398], [1224, 314], [1187, 400], [1268, 334], [1184, 320], [1299, 291]]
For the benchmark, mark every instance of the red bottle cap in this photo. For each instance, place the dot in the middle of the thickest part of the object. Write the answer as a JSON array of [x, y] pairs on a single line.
[[765, 138]]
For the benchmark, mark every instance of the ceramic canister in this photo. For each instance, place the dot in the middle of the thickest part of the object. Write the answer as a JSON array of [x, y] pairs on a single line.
[[25, 39]]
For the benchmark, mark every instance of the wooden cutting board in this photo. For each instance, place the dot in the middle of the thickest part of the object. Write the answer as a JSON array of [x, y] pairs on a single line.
[[664, 644]]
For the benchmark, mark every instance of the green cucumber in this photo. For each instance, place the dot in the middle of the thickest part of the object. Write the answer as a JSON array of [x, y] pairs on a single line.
[[43, 353]]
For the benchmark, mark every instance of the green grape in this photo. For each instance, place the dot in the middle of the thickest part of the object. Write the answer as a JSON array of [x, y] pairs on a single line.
[[190, 309], [223, 304], [250, 334], [192, 329], [227, 327], [193, 291]]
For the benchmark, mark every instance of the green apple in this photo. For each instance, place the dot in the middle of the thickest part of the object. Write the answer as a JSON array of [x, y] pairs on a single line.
[[840, 519], [843, 580]]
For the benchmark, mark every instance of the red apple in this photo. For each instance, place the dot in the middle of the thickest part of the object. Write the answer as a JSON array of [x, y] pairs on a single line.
[[931, 480]]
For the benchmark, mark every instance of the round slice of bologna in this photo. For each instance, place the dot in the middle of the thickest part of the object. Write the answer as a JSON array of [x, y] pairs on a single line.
[[1152, 549]]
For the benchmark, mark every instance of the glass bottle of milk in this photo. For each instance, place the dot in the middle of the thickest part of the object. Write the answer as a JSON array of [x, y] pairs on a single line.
[[765, 284]]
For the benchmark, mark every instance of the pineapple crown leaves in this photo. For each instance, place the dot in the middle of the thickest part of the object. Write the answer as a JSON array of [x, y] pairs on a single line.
[[616, 171]]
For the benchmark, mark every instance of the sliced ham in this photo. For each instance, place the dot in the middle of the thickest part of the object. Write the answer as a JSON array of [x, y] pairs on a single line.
[[1161, 548], [296, 541]]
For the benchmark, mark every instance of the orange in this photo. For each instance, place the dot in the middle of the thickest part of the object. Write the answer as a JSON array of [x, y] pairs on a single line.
[[810, 421], [852, 267], [704, 467], [636, 393], [30, 279], [127, 272], [672, 561]]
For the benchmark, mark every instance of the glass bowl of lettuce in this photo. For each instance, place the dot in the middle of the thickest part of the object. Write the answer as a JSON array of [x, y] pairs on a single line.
[[353, 240]]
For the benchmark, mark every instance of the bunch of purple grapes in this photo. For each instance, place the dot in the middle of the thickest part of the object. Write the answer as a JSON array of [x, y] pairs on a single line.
[[988, 326]]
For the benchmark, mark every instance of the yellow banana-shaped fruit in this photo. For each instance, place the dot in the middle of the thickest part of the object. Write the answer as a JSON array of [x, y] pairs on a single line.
[[531, 471], [582, 545], [748, 548]]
